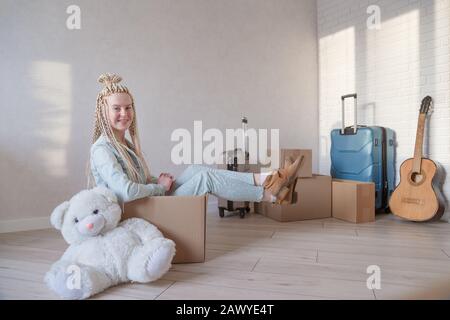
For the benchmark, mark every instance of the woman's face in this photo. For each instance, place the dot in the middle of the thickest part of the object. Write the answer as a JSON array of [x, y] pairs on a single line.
[[120, 111]]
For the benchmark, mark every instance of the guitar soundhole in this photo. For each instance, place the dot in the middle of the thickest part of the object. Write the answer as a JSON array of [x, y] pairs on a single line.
[[417, 178]]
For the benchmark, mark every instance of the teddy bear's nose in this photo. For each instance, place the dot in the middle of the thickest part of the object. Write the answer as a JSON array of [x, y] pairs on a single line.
[[90, 226]]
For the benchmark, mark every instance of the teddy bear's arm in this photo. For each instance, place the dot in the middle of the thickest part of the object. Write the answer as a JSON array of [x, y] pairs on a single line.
[[143, 229]]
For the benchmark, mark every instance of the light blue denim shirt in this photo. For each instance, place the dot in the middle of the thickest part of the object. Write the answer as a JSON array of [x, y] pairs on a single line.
[[108, 169]]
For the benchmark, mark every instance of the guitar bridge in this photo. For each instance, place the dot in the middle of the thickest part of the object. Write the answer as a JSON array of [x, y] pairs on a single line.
[[413, 201]]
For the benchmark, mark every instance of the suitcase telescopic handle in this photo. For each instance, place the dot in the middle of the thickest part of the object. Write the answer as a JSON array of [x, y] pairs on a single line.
[[354, 96], [244, 122]]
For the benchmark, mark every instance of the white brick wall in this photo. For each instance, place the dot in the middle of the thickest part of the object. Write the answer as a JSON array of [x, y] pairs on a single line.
[[391, 69]]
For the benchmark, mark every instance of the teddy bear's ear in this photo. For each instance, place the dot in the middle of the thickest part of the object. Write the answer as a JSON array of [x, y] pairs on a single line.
[[108, 194], [58, 213]]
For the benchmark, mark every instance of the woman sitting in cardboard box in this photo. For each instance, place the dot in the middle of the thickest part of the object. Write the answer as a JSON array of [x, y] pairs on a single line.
[[119, 165]]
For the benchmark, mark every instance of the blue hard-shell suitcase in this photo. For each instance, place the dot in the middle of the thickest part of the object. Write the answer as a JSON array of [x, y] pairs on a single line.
[[364, 154]]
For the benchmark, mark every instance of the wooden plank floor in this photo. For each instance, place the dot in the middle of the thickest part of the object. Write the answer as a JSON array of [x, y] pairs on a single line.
[[259, 258]]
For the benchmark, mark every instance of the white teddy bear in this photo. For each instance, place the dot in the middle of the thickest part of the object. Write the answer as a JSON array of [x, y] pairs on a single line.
[[102, 251]]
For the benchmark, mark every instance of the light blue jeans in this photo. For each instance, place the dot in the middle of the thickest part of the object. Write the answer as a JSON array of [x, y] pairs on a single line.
[[230, 185]]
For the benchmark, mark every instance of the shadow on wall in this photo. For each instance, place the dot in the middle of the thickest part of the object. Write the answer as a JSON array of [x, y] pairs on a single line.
[[393, 67], [36, 163], [51, 89]]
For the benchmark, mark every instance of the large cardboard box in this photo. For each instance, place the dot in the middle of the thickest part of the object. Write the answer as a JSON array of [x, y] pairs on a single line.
[[353, 201], [181, 219], [305, 170], [311, 200]]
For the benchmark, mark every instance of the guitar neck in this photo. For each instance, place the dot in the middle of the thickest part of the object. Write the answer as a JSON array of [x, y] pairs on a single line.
[[418, 154]]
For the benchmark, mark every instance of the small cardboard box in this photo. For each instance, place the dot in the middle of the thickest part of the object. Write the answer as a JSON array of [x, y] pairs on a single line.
[[305, 170], [181, 219], [353, 201], [311, 200]]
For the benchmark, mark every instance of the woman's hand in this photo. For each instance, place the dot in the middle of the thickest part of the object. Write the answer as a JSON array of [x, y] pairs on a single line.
[[167, 174], [165, 180]]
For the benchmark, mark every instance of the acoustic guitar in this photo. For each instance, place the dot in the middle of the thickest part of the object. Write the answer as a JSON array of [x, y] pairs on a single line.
[[416, 198]]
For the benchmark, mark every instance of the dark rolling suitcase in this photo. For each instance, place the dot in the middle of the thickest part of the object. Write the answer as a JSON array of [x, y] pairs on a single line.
[[233, 164], [366, 154], [241, 206]]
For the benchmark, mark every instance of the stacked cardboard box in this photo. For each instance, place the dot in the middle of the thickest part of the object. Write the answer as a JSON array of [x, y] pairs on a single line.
[[305, 170], [311, 197], [311, 200]]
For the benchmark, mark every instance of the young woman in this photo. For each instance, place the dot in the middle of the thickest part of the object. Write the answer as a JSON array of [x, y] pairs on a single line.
[[118, 163]]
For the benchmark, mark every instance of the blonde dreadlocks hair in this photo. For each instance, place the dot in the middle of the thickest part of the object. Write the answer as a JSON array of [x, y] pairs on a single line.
[[102, 127]]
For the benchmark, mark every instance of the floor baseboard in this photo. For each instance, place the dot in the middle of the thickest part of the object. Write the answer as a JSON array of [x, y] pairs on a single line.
[[24, 224]]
